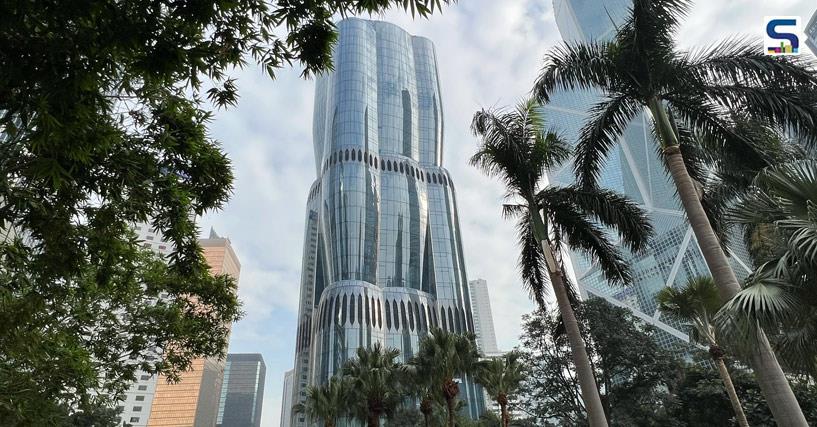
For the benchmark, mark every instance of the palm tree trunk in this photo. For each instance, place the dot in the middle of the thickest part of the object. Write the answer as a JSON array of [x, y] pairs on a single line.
[[770, 377], [730, 390], [584, 372], [502, 399], [587, 379], [449, 403], [373, 420]]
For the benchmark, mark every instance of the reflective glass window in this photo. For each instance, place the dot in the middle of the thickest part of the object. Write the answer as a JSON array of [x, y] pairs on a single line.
[[379, 315], [396, 315], [352, 309], [410, 316], [388, 315], [366, 313], [353, 155], [360, 310], [343, 312]]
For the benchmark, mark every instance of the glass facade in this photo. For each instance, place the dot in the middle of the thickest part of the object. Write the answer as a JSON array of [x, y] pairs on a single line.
[[242, 391], [383, 257], [811, 33], [633, 168]]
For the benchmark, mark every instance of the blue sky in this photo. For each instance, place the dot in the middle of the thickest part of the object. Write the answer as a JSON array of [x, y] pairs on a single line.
[[488, 54]]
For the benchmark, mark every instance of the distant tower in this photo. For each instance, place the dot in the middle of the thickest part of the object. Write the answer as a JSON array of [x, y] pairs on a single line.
[[194, 400], [382, 257], [483, 317], [242, 391], [286, 398], [811, 33]]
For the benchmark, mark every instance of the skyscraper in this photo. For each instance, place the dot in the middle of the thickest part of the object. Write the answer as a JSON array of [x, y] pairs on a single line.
[[811, 33], [286, 398], [483, 317], [194, 400], [632, 168], [382, 257], [138, 399], [242, 391]]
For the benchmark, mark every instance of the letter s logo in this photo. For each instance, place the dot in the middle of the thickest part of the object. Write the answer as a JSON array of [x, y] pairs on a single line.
[[782, 42], [791, 37]]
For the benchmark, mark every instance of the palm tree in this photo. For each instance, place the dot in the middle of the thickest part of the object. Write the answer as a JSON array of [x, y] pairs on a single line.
[[421, 387], [374, 379], [781, 295], [641, 67], [441, 357], [516, 147], [326, 402], [696, 304], [501, 377]]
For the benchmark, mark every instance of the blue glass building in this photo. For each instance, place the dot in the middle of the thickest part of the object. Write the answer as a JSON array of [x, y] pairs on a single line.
[[634, 168], [383, 257]]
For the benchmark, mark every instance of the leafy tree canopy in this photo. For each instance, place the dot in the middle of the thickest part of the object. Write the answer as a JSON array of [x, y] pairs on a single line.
[[104, 112], [642, 384]]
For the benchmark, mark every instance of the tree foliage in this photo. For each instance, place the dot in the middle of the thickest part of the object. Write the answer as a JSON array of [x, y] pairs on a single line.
[[104, 114], [642, 384]]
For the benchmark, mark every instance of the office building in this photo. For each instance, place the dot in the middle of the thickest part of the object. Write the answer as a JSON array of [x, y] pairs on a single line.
[[811, 33], [286, 398], [194, 400], [242, 391], [382, 258], [633, 168], [138, 399], [483, 317]]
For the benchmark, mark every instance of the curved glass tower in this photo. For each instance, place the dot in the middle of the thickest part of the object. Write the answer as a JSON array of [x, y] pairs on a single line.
[[383, 257]]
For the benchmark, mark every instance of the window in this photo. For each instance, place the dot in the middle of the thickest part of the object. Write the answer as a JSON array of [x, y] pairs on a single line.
[[142, 388], [352, 310], [434, 178], [396, 315], [144, 377], [343, 312], [360, 155], [139, 398], [367, 316], [388, 165], [137, 409], [379, 315], [388, 315], [134, 419], [346, 157], [401, 167], [410, 317], [353, 155], [120, 408], [382, 164], [360, 310]]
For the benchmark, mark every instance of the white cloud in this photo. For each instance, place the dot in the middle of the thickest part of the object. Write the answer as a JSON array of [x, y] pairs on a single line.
[[489, 53]]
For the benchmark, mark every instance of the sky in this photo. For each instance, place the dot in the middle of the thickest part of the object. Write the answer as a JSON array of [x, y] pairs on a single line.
[[489, 53]]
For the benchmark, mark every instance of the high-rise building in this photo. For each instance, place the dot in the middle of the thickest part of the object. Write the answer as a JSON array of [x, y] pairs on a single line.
[[286, 398], [633, 168], [138, 399], [811, 33], [194, 400], [483, 317], [382, 258], [242, 391]]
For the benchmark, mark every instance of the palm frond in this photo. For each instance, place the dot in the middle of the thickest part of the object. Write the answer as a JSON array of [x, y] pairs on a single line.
[[607, 122], [531, 262], [585, 236], [606, 207], [738, 61], [571, 66]]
